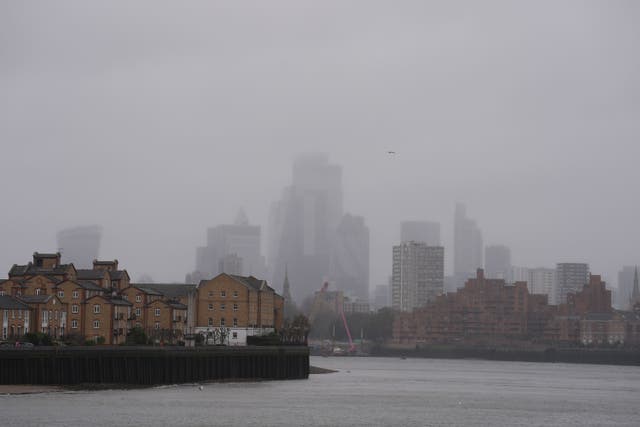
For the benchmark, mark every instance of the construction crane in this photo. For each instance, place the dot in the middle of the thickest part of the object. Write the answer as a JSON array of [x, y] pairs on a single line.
[[321, 300]]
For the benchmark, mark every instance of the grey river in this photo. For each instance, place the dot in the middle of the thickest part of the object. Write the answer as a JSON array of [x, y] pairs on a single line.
[[366, 392]]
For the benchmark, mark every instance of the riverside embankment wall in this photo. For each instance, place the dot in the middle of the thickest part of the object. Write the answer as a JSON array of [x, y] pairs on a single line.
[[151, 366]]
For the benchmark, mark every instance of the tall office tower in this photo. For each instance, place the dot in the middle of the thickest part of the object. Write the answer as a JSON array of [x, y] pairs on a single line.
[[634, 300], [625, 287], [417, 276], [467, 246], [303, 225], [80, 245], [543, 281], [381, 296], [420, 231], [239, 239], [570, 277], [350, 257], [230, 264], [497, 261]]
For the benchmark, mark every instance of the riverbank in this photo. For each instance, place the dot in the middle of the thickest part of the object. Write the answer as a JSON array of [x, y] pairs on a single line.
[[28, 389], [628, 357]]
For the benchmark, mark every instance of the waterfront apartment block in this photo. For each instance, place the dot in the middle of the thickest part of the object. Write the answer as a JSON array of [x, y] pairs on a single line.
[[244, 306], [417, 276], [102, 305], [491, 312]]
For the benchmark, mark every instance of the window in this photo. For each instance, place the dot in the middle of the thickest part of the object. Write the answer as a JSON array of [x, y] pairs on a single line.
[[210, 323], [96, 324], [125, 297], [96, 308], [138, 311], [235, 306], [222, 306], [235, 335], [60, 294], [235, 322], [210, 294], [37, 291], [74, 324], [75, 294], [222, 321], [210, 306], [235, 294], [138, 298], [223, 293], [157, 325], [1, 292], [157, 312]]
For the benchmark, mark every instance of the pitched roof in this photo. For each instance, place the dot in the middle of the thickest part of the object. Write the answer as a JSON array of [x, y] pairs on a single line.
[[169, 290], [11, 303], [32, 270], [117, 274], [119, 301], [144, 287], [37, 299], [176, 305], [251, 282], [46, 255], [90, 274], [90, 286]]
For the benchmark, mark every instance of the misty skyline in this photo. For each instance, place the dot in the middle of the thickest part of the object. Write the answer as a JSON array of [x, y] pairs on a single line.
[[157, 122]]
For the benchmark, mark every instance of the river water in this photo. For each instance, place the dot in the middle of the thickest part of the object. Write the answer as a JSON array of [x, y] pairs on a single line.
[[365, 392]]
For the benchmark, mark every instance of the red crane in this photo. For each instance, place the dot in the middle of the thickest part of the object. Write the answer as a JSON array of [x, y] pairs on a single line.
[[320, 300]]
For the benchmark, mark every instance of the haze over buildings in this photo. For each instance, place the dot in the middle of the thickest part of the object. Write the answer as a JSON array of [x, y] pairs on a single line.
[[420, 231], [80, 245], [167, 126], [497, 262], [232, 248], [467, 246]]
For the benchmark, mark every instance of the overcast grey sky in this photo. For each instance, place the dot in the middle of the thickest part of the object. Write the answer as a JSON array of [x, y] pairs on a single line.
[[159, 119]]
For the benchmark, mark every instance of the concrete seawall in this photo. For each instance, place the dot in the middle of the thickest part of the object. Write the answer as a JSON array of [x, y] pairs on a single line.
[[151, 366]]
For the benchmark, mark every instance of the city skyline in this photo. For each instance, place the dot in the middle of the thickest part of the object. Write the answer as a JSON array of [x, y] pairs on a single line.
[[538, 143]]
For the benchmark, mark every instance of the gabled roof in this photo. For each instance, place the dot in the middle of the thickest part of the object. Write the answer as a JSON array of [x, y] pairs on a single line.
[[32, 270], [118, 274], [90, 286], [90, 274], [252, 282], [144, 287], [171, 303], [10, 303], [36, 299], [176, 305], [46, 255], [169, 290], [119, 301], [111, 300]]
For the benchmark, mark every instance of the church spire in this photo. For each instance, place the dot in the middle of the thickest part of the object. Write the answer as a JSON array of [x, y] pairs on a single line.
[[286, 288]]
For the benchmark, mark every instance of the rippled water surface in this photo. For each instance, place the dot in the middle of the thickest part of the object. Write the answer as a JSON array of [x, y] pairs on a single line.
[[366, 392]]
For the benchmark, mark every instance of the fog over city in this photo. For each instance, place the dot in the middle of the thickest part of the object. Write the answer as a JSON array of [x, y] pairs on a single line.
[[157, 120]]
